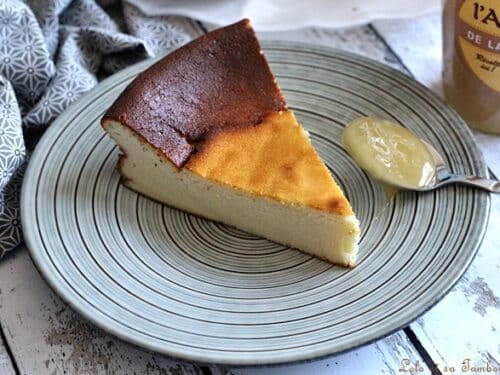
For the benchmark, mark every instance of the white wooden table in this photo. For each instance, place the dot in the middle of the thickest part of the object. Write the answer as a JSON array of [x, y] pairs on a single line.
[[40, 334]]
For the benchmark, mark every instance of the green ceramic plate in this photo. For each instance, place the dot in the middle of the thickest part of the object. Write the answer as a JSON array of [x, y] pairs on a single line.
[[195, 289]]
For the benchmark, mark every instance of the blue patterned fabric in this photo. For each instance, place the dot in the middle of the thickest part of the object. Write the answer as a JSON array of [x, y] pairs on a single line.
[[52, 52]]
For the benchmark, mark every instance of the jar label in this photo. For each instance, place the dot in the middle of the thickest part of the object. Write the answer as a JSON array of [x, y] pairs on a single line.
[[478, 30]]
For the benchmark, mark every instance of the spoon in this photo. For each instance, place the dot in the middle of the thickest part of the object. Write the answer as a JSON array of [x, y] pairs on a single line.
[[443, 176], [394, 155]]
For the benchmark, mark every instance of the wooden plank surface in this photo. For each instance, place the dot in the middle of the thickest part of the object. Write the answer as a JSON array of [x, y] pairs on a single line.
[[47, 337], [466, 323], [392, 355], [417, 43], [6, 366], [490, 146]]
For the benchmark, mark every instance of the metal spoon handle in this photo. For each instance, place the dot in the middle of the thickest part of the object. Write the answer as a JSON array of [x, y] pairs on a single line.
[[483, 183]]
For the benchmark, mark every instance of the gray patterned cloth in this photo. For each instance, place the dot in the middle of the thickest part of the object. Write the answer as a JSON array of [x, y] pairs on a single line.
[[52, 52]]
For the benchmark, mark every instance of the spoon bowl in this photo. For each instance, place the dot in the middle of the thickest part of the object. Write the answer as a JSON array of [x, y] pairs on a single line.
[[394, 155]]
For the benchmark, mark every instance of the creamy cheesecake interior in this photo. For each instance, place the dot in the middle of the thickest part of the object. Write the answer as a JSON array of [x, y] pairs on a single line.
[[325, 234], [206, 129]]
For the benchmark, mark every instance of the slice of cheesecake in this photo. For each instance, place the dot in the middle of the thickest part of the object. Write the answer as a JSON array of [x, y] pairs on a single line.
[[207, 130]]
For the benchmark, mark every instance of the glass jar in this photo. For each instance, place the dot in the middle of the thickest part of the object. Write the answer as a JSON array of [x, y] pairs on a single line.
[[471, 72]]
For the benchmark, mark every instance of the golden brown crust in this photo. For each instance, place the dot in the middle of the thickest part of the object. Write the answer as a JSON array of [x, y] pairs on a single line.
[[218, 81], [273, 159]]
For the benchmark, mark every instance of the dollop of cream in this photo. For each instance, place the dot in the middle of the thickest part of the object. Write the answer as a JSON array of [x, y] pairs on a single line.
[[390, 153]]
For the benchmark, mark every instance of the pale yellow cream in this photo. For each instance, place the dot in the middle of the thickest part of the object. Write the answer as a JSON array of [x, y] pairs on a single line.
[[389, 153]]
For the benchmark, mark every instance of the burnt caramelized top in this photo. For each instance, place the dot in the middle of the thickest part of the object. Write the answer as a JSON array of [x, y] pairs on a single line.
[[220, 80]]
